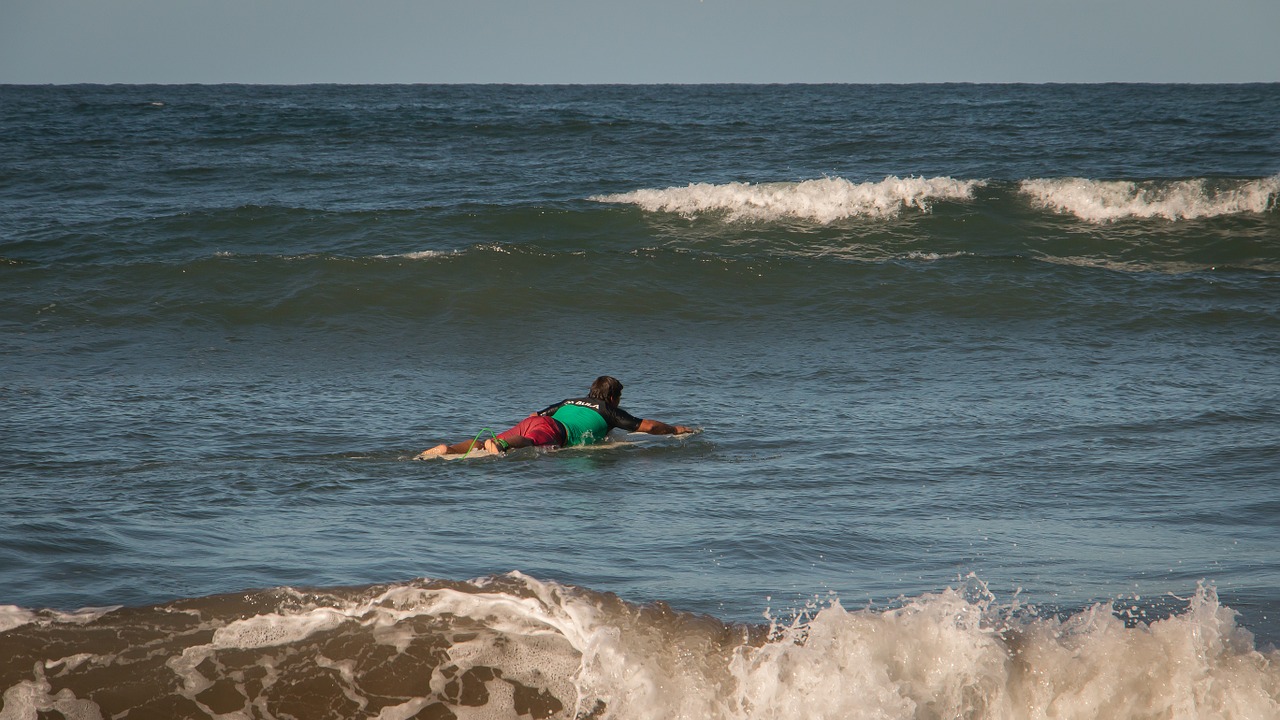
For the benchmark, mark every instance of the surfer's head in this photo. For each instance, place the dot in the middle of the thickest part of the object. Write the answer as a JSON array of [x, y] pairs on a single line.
[[606, 389]]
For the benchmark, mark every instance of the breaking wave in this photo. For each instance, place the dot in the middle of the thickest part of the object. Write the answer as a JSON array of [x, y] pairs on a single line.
[[825, 200], [514, 646], [1109, 200], [829, 200]]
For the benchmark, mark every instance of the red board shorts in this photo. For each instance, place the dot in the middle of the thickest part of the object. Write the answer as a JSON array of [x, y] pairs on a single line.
[[541, 430]]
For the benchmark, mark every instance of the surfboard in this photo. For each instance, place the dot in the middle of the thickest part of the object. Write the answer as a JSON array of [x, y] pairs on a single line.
[[613, 442]]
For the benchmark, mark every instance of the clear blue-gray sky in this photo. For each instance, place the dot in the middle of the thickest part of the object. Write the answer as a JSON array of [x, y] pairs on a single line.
[[641, 41]]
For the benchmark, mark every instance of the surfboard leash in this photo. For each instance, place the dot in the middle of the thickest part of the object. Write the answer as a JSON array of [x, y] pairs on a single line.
[[476, 439]]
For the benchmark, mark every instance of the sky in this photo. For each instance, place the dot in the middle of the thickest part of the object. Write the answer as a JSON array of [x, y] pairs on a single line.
[[641, 41]]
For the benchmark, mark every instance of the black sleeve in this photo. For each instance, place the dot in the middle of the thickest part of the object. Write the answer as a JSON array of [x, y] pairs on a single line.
[[550, 409], [619, 418]]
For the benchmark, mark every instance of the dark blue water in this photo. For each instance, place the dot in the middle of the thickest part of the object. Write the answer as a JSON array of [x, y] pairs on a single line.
[[1015, 337]]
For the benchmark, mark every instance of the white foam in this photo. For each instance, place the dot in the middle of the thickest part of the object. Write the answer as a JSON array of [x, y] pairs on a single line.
[[954, 654], [259, 631], [1110, 200], [274, 629], [71, 662], [419, 255], [12, 616], [942, 656], [28, 699], [959, 653], [825, 200]]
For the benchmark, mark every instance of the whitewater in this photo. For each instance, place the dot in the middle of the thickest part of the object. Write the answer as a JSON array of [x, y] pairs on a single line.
[[516, 646], [831, 199]]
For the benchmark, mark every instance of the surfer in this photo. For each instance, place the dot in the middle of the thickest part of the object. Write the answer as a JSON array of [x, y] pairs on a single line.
[[577, 421]]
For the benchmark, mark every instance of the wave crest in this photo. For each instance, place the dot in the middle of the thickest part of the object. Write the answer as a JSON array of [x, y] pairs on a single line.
[[1109, 200], [957, 654], [515, 646], [824, 200]]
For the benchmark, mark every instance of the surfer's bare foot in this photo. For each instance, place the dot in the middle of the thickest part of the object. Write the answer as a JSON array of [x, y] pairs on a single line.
[[436, 451], [491, 445]]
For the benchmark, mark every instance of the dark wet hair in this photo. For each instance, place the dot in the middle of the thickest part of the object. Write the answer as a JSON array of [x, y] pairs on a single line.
[[605, 388]]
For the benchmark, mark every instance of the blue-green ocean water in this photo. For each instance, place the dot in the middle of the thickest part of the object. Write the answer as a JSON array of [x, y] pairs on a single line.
[[1022, 339]]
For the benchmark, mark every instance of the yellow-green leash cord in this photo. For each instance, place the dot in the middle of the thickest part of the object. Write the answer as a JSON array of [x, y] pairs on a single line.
[[476, 439]]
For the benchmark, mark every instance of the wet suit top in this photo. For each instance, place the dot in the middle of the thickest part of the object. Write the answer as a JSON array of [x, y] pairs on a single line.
[[587, 420]]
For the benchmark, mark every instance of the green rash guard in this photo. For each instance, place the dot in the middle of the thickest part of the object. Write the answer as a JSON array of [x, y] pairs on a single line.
[[587, 421]]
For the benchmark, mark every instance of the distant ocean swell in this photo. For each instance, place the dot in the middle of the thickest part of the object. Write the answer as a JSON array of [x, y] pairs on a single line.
[[1032, 210], [407, 294], [515, 646], [104, 233], [830, 248]]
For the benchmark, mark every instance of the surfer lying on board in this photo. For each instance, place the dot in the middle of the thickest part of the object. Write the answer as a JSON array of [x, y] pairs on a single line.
[[579, 421]]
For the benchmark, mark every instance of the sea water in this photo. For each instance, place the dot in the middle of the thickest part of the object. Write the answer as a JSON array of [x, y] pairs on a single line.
[[986, 378]]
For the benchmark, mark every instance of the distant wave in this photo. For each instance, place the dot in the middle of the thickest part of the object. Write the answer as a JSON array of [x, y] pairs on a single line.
[[1109, 200], [516, 646], [832, 199], [419, 255], [825, 200]]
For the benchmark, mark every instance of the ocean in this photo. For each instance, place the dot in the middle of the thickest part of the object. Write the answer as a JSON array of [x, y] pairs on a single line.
[[986, 378]]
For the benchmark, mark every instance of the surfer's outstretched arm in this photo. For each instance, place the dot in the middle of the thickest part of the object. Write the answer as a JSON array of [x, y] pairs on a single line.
[[656, 427]]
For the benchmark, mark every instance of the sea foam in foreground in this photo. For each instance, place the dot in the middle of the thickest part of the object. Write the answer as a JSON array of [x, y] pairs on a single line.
[[513, 646]]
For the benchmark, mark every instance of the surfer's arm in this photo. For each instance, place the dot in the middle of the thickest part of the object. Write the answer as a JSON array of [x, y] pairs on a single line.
[[656, 427]]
